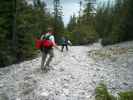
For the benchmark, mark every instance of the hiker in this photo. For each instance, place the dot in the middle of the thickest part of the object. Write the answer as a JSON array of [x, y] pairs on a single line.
[[47, 49], [64, 43]]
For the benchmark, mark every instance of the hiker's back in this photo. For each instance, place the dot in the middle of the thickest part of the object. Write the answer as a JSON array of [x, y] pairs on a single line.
[[47, 40]]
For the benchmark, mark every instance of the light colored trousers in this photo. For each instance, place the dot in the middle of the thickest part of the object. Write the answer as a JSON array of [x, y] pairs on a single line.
[[45, 54]]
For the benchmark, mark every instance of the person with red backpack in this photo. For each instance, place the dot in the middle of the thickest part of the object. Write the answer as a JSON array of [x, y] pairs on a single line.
[[47, 44]]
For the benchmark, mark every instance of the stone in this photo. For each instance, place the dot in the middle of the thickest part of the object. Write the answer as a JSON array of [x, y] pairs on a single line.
[[27, 91], [66, 91], [1, 85], [61, 69], [3, 96], [18, 99], [65, 86], [60, 98], [1, 73], [97, 69], [125, 83], [45, 94]]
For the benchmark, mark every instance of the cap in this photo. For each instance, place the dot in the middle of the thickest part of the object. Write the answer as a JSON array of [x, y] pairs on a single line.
[[50, 29]]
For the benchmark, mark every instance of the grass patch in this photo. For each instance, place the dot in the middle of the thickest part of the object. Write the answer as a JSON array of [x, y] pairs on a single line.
[[125, 95], [103, 94], [108, 53]]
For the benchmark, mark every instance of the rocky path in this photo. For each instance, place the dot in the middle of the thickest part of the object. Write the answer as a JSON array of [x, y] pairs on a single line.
[[75, 75]]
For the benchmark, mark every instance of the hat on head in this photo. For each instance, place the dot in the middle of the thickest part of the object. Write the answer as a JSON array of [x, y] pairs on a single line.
[[50, 29]]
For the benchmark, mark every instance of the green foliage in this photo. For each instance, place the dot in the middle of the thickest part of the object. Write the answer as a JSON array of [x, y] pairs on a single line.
[[82, 35], [87, 34], [72, 23], [5, 31], [114, 22], [72, 37], [18, 25], [103, 94], [126, 95], [58, 21], [82, 28]]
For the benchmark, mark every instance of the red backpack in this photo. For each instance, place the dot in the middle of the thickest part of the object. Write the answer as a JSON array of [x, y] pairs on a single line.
[[38, 43], [46, 42]]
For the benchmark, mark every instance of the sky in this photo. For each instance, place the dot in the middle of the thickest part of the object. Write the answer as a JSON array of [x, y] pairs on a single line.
[[69, 7]]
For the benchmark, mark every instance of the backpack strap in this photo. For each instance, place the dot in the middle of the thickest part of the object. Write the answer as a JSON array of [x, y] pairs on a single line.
[[46, 37]]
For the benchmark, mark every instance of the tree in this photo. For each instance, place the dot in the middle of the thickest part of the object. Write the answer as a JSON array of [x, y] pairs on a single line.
[[6, 11], [82, 28], [58, 22], [127, 24], [72, 23], [18, 23], [117, 21]]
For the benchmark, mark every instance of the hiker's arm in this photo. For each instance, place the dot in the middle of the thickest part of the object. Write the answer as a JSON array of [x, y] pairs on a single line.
[[42, 36], [54, 44]]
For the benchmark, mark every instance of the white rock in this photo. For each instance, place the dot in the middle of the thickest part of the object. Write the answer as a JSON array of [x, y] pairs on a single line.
[[66, 91], [18, 99], [1, 85], [45, 94]]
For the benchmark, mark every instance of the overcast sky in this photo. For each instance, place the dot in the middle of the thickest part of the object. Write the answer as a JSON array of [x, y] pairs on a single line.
[[70, 7]]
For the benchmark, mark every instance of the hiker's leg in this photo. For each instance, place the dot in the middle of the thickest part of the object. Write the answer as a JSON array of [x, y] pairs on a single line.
[[66, 47], [62, 48], [44, 55], [51, 55]]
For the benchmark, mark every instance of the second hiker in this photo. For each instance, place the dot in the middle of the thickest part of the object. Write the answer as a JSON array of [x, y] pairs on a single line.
[[64, 43]]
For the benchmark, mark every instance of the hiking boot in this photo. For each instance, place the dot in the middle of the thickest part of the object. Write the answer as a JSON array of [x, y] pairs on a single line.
[[45, 70], [42, 68], [50, 67]]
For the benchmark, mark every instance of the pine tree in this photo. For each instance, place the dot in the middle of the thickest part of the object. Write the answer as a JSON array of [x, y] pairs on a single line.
[[72, 23], [58, 21], [114, 22], [18, 23], [128, 20], [6, 15]]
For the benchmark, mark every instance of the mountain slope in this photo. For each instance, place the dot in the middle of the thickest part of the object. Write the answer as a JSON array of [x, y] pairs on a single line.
[[74, 77]]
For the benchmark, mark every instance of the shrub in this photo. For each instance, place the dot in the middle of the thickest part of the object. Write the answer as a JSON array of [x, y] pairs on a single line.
[[103, 94]]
